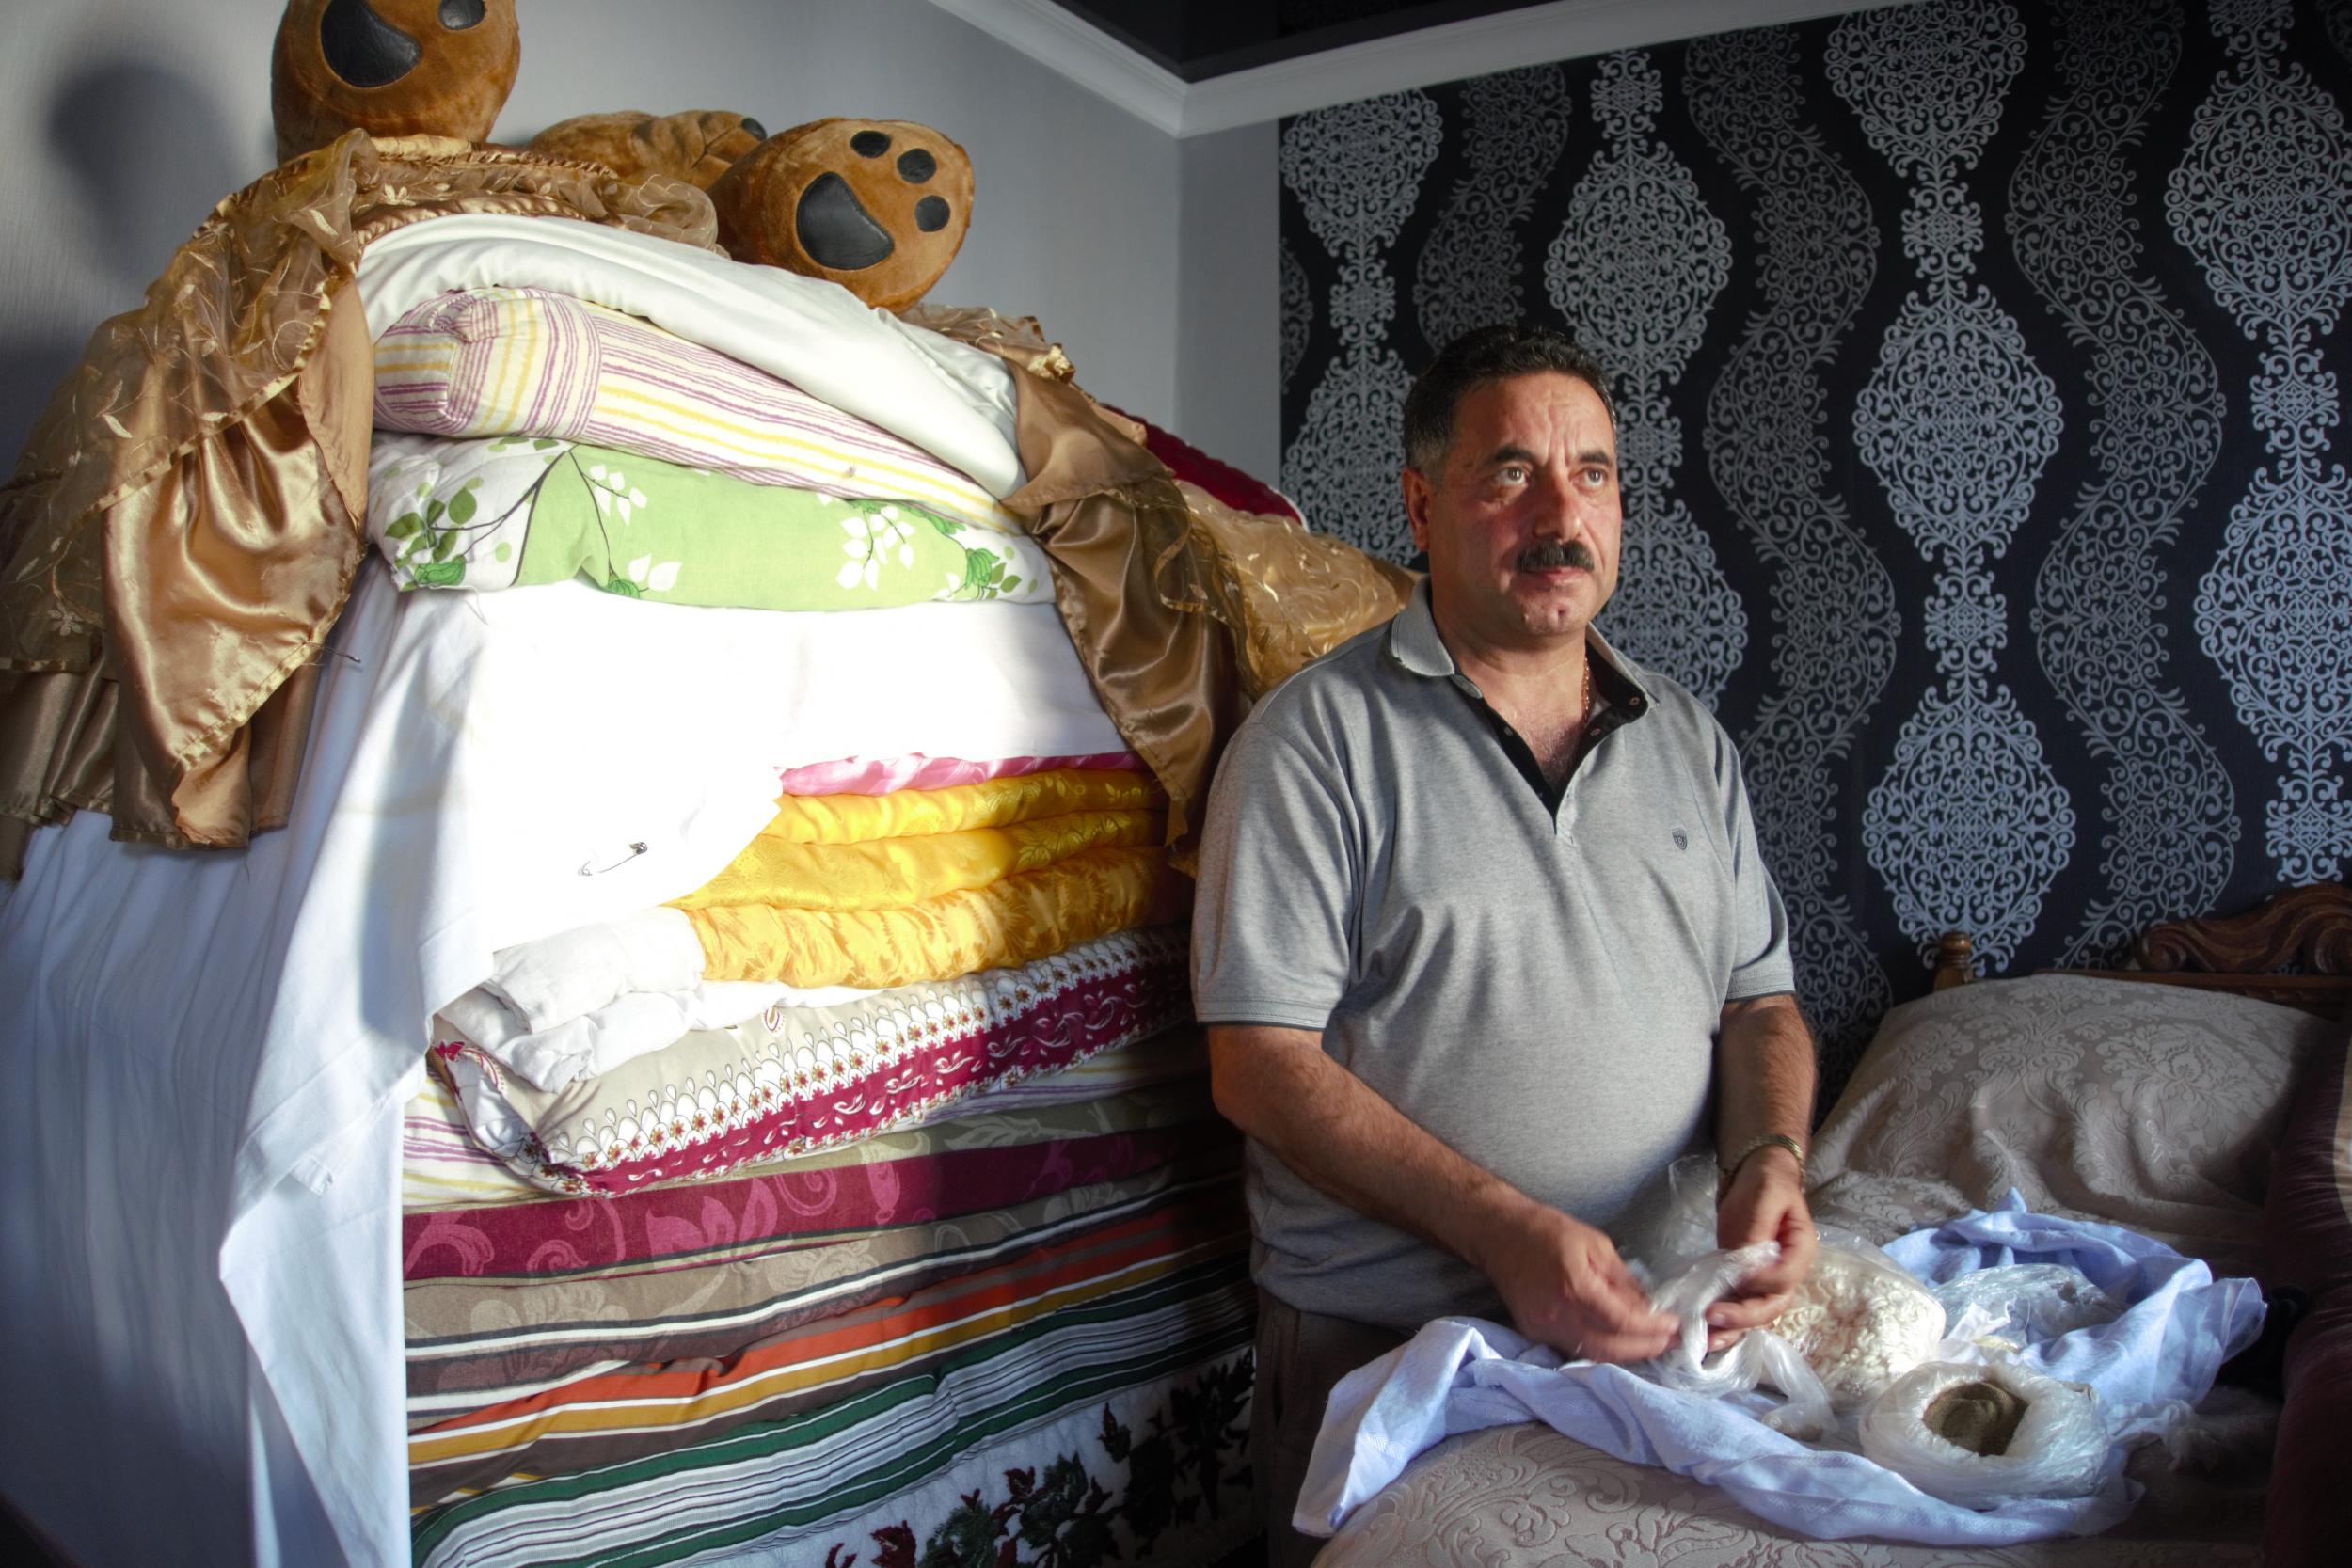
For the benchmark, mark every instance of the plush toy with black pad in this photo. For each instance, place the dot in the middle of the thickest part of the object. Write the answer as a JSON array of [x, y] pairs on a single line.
[[392, 67], [878, 206]]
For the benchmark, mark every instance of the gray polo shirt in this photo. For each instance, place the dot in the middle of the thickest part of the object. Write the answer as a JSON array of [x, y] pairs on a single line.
[[1538, 987]]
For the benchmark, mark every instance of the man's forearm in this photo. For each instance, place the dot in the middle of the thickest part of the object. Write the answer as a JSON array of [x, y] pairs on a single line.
[[1338, 1133], [1764, 1075], [1764, 1087]]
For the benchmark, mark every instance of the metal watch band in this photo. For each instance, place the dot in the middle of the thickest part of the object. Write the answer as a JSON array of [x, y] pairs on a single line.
[[1768, 1140]]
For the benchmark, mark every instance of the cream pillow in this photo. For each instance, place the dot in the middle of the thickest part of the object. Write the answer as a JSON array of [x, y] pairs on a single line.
[[2148, 1106]]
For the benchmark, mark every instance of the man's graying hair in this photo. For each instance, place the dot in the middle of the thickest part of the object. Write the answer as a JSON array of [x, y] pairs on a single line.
[[1477, 357]]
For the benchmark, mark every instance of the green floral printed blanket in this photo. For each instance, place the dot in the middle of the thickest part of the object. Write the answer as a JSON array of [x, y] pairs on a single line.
[[515, 511]]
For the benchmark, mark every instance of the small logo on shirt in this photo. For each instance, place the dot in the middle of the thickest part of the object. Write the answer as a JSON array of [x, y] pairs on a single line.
[[1682, 840]]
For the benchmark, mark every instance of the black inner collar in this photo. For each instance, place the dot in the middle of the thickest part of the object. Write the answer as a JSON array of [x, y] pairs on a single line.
[[1619, 699]]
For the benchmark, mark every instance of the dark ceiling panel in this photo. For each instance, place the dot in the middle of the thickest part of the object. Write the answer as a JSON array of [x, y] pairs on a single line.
[[1199, 38]]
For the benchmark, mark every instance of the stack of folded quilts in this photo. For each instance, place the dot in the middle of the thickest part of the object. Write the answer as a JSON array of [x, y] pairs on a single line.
[[866, 961], [526, 436], [878, 1169]]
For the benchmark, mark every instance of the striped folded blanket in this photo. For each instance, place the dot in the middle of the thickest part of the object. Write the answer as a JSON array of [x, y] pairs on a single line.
[[1108, 1429], [477, 1340], [754, 1216], [504, 361], [1111, 1295]]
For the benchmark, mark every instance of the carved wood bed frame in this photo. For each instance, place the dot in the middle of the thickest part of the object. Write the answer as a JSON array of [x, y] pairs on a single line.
[[2294, 947]]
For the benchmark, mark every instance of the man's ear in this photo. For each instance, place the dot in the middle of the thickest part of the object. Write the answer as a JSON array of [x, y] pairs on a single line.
[[1417, 494]]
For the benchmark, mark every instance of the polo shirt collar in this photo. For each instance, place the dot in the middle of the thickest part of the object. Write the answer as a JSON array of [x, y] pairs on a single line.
[[1414, 643], [1413, 638]]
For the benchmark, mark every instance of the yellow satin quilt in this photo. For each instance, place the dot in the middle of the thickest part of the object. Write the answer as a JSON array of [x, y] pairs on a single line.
[[1028, 916], [987, 803], [889, 873]]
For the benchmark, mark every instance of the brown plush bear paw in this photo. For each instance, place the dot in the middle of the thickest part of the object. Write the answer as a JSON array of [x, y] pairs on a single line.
[[880, 207]]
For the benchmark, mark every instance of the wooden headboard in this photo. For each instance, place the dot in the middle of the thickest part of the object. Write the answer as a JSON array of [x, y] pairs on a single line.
[[2305, 931]]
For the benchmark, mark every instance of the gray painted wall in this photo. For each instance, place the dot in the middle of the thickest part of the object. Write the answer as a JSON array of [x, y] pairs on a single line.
[[1229, 310], [1151, 261]]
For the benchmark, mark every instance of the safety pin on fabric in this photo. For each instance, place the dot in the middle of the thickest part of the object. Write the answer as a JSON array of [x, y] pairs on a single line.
[[587, 867]]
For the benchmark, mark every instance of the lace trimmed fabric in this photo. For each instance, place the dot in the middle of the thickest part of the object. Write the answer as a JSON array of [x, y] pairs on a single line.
[[185, 519]]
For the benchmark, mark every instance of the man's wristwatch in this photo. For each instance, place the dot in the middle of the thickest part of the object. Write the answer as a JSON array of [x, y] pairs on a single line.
[[1770, 1140]]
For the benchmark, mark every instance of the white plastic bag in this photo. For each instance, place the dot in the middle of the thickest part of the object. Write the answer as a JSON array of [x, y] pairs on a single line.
[[2009, 1306], [1761, 1358], [2057, 1449], [1859, 1319], [1681, 1229]]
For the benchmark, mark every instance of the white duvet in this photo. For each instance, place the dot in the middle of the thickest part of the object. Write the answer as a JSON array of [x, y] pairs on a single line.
[[210, 1051]]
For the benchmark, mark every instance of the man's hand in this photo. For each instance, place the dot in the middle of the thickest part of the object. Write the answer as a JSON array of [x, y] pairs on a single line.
[[1565, 1285], [1766, 1203], [1561, 1278]]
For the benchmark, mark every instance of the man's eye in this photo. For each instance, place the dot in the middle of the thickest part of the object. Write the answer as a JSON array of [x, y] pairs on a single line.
[[1511, 473]]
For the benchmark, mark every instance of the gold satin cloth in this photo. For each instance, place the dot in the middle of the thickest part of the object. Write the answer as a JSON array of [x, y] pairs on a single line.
[[1184, 610], [185, 519], [1030, 915], [886, 874], [983, 803]]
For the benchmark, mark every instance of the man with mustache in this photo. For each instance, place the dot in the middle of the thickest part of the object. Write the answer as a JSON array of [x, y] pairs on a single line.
[[1484, 940]]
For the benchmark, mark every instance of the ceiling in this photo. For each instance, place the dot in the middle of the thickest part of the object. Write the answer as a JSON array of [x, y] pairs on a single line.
[[1196, 39], [1194, 66]]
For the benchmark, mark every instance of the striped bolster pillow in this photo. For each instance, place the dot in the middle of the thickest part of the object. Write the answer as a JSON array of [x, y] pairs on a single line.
[[500, 361]]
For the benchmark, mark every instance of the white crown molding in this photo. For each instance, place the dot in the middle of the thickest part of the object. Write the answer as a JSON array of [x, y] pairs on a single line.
[[1562, 31], [1092, 58]]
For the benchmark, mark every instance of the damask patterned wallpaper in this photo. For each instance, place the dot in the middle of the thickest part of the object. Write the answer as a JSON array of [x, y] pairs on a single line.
[[1979, 372]]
